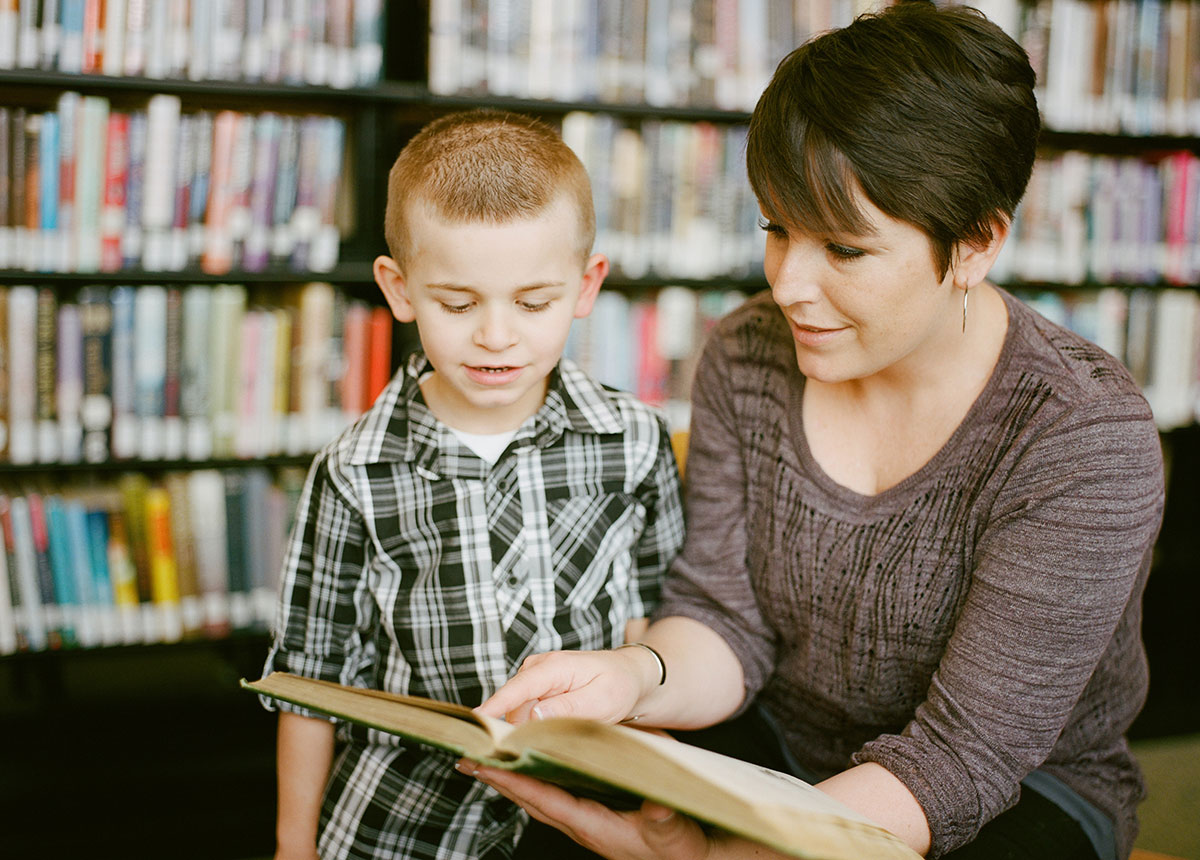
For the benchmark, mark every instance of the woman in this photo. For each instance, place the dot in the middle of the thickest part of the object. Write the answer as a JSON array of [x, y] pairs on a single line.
[[920, 515]]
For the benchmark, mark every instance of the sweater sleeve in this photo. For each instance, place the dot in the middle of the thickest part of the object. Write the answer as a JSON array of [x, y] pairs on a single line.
[[1054, 569], [710, 581]]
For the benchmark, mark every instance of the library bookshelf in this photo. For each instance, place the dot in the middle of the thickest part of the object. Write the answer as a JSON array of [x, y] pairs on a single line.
[[138, 706]]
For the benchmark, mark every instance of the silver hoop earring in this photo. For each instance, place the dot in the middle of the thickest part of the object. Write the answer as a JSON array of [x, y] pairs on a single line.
[[965, 294]]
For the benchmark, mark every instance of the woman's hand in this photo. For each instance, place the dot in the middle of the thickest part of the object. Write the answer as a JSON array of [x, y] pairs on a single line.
[[652, 833], [598, 685]]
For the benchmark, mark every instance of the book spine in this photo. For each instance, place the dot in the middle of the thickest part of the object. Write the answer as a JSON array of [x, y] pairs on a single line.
[[158, 202], [96, 319], [133, 489], [63, 252], [18, 535], [182, 542], [70, 53], [9, 600], [92, 47], [368, 41], [90, 182], [90, 629], [218, 244], [113, 61], [21, 242], [164, 574], [150, 368], [267, 131], [7, 219], [112, 213], [206, 503], [182, 189], [174, 431], [96, 535], [379, 363], [69, 394], [136, 22], [125, 429], [28, 37], [48, 450], [132, 239], [195, 381], [57, 622]]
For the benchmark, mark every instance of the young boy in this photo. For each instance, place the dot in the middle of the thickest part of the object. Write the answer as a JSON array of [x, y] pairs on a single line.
[[495, 502]]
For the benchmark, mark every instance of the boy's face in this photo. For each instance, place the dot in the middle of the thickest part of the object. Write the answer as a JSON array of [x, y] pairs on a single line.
[[493, 304]]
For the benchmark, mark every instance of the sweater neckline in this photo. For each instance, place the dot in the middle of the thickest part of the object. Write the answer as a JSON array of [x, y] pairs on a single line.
[[851, 501]]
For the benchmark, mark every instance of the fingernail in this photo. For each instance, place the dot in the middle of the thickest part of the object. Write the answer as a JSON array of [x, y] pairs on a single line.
[[538, 712], [466, 767]]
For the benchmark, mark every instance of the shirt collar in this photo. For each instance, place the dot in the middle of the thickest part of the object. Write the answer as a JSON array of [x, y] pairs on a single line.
[[411, 433]]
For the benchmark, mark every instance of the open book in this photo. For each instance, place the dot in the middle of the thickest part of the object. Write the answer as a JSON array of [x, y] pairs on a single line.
[[615, 761]]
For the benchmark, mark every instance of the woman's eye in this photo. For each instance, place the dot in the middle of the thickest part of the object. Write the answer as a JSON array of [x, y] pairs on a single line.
[[842, 252], [771, 227]]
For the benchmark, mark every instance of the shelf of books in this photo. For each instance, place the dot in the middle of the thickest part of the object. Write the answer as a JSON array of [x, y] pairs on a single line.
[[131, 190]]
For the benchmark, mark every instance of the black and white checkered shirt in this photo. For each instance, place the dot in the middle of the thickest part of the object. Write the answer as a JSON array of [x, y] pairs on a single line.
[[414, 567]]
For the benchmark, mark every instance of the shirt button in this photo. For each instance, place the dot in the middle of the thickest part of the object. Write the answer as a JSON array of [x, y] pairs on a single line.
[[513, 580]]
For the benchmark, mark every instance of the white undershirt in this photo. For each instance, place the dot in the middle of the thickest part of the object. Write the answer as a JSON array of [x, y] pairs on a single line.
[[489, 446]]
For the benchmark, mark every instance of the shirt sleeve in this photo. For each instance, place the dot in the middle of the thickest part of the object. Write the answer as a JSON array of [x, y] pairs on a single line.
[[710, 581], [662, 532], [1055, 569], [325, 612]]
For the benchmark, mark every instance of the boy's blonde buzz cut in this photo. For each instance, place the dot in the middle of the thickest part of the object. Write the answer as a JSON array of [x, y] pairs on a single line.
[[485, 166]]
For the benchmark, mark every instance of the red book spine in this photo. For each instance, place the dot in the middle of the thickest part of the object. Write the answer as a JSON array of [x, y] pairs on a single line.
[[116, 172], [379, 360]]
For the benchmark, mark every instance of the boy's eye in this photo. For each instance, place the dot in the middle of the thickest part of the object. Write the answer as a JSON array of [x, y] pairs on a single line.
[[842, 252], [534, 307], [455, 309]]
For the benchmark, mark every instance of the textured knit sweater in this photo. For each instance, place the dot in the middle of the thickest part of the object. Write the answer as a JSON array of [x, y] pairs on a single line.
[[977, 621]]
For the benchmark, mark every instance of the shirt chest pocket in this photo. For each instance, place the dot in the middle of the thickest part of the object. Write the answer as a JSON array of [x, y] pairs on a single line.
[[592, 539]]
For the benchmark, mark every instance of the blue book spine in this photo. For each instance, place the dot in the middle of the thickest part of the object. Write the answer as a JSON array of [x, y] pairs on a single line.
[[97, 545], [48, 173], [61, 573]]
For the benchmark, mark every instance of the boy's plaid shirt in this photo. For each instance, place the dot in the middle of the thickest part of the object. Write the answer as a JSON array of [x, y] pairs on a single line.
[[414, 567]]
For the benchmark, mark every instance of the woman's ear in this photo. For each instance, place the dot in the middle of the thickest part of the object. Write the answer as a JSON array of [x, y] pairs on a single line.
[[391, 283], [973, 262]]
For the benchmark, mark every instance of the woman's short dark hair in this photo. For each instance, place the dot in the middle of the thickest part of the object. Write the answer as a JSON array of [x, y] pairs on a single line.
[[929, 110]]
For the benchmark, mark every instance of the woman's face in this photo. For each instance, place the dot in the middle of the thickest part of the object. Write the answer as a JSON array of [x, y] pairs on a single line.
[[861, 305]]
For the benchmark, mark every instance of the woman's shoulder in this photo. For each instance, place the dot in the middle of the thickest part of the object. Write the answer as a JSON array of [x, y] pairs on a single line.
[[1073, 372]]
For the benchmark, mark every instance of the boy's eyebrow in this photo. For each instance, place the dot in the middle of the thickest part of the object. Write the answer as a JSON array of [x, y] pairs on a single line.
[[458, 288]]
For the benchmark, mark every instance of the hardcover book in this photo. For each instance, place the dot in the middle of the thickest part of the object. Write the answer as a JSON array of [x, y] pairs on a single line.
[[617, 763]]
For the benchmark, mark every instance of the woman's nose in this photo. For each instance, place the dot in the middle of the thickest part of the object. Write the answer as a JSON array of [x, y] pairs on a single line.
[[792, 271]]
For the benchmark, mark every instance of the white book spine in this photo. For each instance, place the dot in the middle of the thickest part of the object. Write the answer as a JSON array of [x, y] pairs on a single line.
[[113, 61], [158, 202], [32, 616], [22, 394]]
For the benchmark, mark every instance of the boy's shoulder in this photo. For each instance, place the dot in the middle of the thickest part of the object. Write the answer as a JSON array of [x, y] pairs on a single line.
[[592, 405], [381, 434]]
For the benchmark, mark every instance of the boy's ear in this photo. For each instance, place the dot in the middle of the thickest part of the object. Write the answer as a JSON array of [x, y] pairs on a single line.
[[391, 283], [973, 262], [593, 277]]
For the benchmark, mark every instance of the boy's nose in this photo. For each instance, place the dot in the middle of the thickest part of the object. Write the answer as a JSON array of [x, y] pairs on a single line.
[[495, 333]]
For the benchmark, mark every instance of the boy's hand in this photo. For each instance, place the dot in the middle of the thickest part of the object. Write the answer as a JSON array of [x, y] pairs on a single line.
[[598, 685]]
